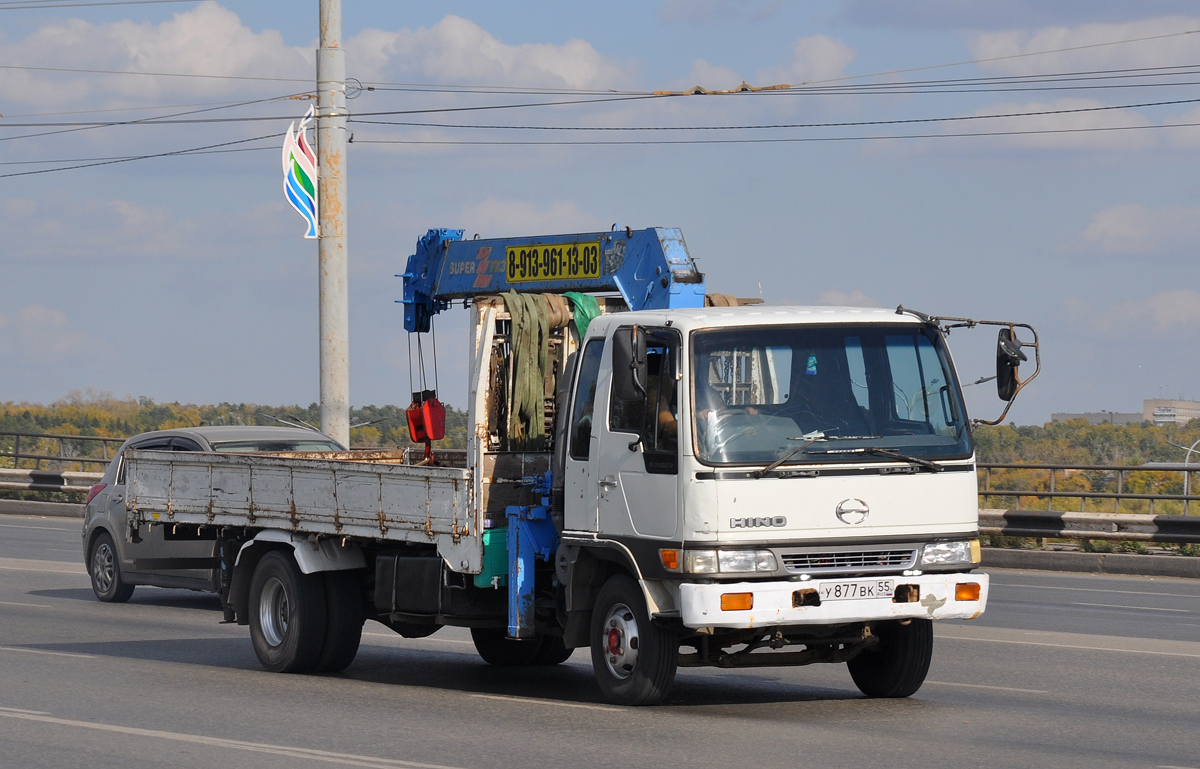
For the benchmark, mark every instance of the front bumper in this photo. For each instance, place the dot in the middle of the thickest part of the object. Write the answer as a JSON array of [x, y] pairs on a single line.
[[700, 605]]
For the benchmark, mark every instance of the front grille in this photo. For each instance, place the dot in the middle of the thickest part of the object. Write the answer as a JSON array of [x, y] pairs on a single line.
[[849, 560]]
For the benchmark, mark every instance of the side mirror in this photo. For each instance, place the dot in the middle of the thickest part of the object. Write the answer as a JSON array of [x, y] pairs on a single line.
[[1008, 358], [630, 369]]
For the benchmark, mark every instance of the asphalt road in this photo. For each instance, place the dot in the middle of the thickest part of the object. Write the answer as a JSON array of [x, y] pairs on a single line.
[[1062, 671]]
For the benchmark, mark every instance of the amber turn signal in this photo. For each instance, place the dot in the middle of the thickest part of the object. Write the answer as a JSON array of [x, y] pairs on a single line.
[[670, 559], [737, 601], [966, 591]]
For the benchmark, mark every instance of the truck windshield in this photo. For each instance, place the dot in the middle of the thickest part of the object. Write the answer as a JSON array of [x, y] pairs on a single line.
[[756, 391]]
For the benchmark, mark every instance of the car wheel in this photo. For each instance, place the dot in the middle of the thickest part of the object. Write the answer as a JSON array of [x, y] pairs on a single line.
[[897, 666], [634, 661], [287, 615], [344, 620], [497, 649], [104, 566]]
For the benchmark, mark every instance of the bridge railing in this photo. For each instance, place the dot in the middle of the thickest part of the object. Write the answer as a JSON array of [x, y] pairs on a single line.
[[55, 451], [1164, 488]]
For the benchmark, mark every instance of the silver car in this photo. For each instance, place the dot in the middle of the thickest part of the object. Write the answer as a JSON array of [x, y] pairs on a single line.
[[160, 558]]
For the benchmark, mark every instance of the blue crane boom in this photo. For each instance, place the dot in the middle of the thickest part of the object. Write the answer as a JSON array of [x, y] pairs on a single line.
[[651, 268]]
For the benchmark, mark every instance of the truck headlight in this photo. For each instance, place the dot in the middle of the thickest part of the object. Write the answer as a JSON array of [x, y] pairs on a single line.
[[947, 553], [729, 561]]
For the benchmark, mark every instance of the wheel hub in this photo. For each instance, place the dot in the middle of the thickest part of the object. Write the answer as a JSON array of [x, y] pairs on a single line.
[[103, 567], [274, 611], [620, 641]]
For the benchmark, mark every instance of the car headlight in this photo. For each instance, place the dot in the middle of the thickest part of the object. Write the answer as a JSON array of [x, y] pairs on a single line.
[[729, 561], [950, 553]]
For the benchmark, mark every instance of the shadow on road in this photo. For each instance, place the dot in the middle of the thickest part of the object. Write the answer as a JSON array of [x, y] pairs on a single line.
[[180, 599]]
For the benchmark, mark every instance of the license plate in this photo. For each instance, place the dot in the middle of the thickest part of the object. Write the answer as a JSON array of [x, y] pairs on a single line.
[[554, 261], [867, 588]]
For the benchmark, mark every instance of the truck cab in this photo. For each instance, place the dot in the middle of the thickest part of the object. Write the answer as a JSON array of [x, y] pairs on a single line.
[[783, 469]]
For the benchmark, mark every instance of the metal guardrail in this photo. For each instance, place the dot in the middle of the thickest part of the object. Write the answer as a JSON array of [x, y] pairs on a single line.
[[48, 480], [67, 449], [1104, 482], [1175, 529]]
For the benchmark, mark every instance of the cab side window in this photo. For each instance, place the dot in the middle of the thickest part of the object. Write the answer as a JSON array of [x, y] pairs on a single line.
[[585, 399], [157, 444], [655, 416]]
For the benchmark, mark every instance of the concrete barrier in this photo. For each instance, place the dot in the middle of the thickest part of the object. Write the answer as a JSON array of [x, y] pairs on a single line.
[[1129, 564], [53, 509]]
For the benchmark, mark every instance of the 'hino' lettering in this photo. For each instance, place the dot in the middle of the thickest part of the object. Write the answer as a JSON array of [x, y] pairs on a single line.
[[754, 523]]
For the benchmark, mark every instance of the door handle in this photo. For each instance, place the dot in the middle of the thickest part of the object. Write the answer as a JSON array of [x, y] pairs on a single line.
[[608, 482]]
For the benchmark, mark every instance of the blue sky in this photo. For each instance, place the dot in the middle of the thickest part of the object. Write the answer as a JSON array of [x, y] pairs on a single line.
[[187, 279]]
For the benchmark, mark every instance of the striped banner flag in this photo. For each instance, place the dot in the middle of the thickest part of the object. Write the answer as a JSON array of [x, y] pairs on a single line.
[[300, 173]]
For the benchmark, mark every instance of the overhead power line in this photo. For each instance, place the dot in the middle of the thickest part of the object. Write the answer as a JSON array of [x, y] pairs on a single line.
[[839, 124], [29, 5], [203, 150], [771, 140]]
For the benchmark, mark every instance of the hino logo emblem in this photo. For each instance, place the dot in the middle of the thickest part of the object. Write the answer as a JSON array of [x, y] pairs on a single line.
[[852, 511], [754, 523]]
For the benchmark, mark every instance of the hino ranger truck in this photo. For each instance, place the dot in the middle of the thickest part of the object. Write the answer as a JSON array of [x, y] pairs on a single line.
[[663, 476]]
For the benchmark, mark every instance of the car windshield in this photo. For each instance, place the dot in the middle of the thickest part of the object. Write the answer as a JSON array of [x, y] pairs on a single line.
[[759, 392], [275, 445]]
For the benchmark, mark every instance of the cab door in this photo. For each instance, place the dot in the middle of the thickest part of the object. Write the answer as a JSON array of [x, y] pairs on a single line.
[[580, 491], [639, 448]]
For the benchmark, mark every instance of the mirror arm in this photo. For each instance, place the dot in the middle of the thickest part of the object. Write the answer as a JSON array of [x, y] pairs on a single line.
[[1037, 359]]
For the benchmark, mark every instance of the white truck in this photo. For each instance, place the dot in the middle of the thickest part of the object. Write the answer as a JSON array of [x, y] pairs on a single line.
[[664, 477]]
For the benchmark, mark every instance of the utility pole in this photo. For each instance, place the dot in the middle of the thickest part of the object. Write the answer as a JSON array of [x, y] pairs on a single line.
[[331, 259]]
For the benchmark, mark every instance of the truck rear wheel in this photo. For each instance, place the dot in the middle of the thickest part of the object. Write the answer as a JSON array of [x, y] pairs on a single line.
[[344, 618], [497, 649], [898, 665], [287, 615], [634, 661], [552, 651]]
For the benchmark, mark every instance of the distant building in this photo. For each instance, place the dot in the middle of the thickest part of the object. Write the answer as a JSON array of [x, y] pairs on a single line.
[[1158, 412], [1162, 412], [1101, 418]]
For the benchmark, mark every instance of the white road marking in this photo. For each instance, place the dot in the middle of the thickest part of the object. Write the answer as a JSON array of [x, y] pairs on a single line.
[[43, 651], [1139, 608], [346, 759], [535, 701], [33, 605], [1071, 646], [1168, 766], [27, 712], [1096, 590], [983, 686], [40, 528]]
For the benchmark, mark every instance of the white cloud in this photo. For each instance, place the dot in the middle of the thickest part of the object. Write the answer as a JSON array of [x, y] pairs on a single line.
[[495, 217], [1159, 52], [815, 58], [41, 334], [1164, 312], [206, 39], [855, 298], [456, 50], [1134, 230]]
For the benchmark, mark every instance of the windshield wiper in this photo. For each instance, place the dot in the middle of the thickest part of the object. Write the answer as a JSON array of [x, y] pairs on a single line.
[[809, 439], [935, 467]]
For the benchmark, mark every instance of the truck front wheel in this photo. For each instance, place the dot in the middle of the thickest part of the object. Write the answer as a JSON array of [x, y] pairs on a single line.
[[897, 666], [287, 615], [633, 660]]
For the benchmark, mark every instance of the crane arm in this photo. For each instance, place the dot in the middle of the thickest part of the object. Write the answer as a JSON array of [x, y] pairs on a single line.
[[651, 269]]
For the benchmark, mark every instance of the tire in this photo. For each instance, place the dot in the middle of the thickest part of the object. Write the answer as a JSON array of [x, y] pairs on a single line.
[[104, 567], [497, 649], [552, 651], [287, 615], [634, 661], [898, 665], [344, 618]]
